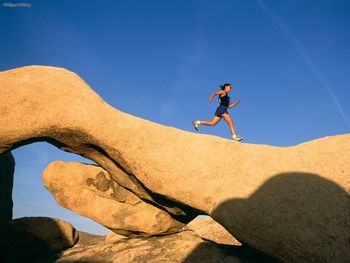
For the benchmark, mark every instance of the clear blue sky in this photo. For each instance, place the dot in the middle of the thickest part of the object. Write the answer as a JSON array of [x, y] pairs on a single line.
[[288, 62]]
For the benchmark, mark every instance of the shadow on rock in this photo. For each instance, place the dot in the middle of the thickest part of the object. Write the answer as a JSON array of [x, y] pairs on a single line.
[[30, 239], [7, 169], [297, 217], [228, 253]]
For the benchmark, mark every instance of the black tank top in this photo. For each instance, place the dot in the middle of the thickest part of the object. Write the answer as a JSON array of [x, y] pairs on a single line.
[[224, 100]]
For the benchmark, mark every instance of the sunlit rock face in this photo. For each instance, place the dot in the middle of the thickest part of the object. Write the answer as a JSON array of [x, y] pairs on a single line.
[[290, 202], [185, 246], [208, 229], [89, 191]]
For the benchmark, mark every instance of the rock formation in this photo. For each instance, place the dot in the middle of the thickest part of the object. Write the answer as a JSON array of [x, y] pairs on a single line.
[[111, 237], [7, 167], [208, 229], [89, 191], [89, 239], [185, 246], [29, 239], [290, 202]]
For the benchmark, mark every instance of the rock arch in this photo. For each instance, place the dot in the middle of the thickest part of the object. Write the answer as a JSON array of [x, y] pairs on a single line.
[[179, 172]]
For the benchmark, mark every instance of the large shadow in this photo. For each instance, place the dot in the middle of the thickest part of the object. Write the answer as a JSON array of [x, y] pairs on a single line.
[[29, 239], [7, 169], [299, 217]]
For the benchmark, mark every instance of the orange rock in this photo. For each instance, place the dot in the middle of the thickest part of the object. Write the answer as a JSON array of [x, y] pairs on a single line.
[[290, 202]]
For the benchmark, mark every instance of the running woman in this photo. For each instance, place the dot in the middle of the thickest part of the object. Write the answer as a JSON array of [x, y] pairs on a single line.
[[221, 111]]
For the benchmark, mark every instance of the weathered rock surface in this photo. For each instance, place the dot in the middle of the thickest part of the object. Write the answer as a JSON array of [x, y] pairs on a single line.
[[89, 191], [291, 202], [89, 239], [7, 168], [208, 229], [29, 239], [67, 113], [111, 237], [185, 246]]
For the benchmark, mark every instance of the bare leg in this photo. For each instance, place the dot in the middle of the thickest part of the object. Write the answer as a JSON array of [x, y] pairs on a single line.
[[213, 122], [229, 121]]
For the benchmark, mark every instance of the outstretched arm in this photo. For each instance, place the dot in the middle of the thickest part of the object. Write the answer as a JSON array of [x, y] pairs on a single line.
[[214, 94], [234, 104]]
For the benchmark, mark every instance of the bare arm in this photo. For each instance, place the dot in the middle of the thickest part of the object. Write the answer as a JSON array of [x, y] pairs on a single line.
[[214, 94], [234, 104]]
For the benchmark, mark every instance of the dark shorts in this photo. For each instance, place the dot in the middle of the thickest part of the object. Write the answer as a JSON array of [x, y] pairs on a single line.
[[221, 110]]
